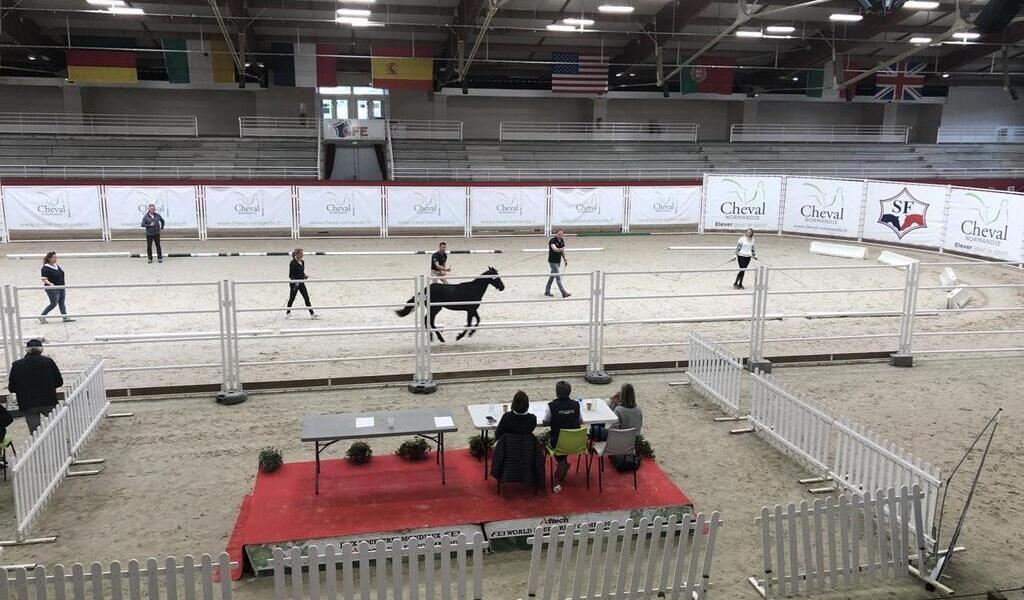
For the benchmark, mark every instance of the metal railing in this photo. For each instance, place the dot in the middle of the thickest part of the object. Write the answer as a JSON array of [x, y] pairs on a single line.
[[157, 171], [818, 133], [601, 131], [981, 135], [277, 127], [96, 124], [425, 130]]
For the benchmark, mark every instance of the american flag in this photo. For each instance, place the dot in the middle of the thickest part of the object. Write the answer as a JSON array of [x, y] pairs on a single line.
[[901, 81], [575, 73]]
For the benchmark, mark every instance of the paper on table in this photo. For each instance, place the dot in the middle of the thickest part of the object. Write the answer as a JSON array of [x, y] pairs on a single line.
[[444, 422], [364, 422]]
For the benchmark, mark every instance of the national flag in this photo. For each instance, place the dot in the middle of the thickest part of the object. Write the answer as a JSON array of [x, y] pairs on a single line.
[[176, 60], [209, 61], [578, 73], [223, 65], [902, 81], [402, 68], [815, 83], [849, 68], [282, 64], [326, 65], [101, 66], [713, 76]]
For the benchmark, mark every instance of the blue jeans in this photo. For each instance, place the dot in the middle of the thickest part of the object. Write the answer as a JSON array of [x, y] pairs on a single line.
[[56, 299], [555, 278]]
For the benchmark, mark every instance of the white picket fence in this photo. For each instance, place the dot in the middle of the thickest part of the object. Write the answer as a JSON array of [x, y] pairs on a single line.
[[856, 541], [46, 456], [865, 462], [793, 426], [660, 558], [715, 373], [447, 567], [170, 580]]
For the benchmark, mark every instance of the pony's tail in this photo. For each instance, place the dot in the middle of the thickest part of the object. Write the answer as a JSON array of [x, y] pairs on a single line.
[[407, 308]]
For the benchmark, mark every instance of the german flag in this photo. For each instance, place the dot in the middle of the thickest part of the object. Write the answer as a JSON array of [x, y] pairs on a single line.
[[402, 68], [101, 66]]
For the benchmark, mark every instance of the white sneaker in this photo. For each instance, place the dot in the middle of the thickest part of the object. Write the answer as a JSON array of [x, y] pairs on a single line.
[[556, 489], [42, 320], [314, 316]]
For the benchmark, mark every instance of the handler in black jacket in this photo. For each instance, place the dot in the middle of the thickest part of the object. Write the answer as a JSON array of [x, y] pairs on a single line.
[[563, 413], [35, 380], [154, 224], [297, 276]]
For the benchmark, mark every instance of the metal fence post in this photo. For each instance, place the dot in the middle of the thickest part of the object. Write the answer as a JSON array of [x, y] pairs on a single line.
[[595, 366], [904, 355], [7, 329], [423, 379], [759, 303]]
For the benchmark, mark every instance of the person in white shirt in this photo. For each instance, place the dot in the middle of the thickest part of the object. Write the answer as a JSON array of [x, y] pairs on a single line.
[[744, 252]]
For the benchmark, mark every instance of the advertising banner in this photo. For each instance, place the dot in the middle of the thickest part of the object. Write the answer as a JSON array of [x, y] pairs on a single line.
[[353, 129], [52, 208], [587, 206], [248, 207], [508, 206], [416, 206], [985, 223], [127, 205], [904, 213], [742, 202], [340, 206], [664, 205], [823, 206]]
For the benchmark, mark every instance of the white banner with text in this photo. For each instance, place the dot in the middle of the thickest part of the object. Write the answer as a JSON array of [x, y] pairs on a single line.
[[176, 204], [46, 208], [508, 206], [742, 202], [340, 206], [434, 206], [248, 207], [587, 206], [664, 205], [823, 206], [985, 223], [905, 213]]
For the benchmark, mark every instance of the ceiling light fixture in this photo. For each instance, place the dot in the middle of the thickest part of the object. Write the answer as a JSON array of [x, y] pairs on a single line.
[[920, 4], [31, 56], [966, 35], [357, 22], [557, 27], [615, 9], [776, 37], [353, 12], [618, 74], [632, 74], [105, 2], [920, 40], [780, 29], [359, 1], [580, 22], [845, 17], [796, 79], [125, 10], [945, 75], [749, 33]]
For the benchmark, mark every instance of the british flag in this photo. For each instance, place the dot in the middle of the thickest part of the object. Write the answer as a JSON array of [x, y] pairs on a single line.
[[902, 81]]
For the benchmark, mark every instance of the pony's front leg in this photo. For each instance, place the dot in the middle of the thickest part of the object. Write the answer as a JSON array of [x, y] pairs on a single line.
[[469, 326], [472, 329], [433, 328]]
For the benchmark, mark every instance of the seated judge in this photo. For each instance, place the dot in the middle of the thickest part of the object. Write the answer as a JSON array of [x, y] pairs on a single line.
[[519, 419]]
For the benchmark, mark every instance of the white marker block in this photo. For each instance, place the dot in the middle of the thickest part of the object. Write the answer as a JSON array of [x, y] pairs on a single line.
[[840, 250], [896, 260], [948, 278], [957, 298]]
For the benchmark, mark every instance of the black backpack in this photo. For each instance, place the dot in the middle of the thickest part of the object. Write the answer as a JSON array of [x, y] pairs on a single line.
[[626, 462]]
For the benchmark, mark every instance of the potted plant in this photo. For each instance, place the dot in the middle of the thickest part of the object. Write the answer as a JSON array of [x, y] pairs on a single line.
[[359, 453], [414, 449], [643, 447], [270, 460], [476, 446]]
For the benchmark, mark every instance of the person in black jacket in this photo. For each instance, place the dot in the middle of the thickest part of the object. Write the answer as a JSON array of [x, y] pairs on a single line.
[[562, 413], [520, 420], [154, 224], [297, 275], [53, 277], [34, 380]]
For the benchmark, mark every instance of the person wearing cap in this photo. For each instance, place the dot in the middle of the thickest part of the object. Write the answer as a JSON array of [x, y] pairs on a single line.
[[34, 380]]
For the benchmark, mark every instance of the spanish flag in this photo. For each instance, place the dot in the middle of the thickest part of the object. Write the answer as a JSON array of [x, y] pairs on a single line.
[[402, 68], [101, 66]]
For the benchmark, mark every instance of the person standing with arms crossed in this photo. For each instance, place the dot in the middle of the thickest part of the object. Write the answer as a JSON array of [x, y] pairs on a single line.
[[153, 223], [34, 380], [556, 255], [744, 252], [296, 284], [439, 263]]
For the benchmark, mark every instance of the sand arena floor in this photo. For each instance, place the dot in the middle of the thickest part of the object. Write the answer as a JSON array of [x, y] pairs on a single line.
[[621, 254], [177, 471]]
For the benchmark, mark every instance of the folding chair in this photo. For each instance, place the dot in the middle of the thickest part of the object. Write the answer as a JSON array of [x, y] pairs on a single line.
[[621, 442], [570, 442]]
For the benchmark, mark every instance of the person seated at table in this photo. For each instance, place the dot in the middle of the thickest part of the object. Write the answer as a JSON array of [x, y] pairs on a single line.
[[519, 420], [562, 413], [628, 413]]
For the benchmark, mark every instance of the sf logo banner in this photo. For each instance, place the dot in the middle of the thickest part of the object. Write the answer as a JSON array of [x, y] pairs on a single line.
[[903, 213]]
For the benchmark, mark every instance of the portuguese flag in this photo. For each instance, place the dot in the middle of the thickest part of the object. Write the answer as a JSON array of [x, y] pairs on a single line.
[[101, 66], [714, 76]]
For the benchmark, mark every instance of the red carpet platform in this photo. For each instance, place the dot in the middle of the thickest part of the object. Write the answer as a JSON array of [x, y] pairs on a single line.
[[392, 495]]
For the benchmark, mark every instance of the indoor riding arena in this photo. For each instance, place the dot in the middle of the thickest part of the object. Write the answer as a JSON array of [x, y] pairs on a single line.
[[385, 300]]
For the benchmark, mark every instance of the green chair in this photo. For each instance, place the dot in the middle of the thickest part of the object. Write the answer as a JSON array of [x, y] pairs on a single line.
[[571, 442], [6, 443]]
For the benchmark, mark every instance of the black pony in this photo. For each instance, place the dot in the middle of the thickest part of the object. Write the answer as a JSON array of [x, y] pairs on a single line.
[[468, 292]]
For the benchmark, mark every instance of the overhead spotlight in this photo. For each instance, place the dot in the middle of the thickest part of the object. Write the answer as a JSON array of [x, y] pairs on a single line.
[[780, 29], [845, 17], [357, 22], [796, 79], [966, 35], [359, 1], [125, 10], [248, 64], [558, 27], [945, 75], [920, 40], [920, 4], [618, 74], [749, 33], [105, 2], [615, 9], [352, 12], [32, 56], [580, 22], [632, 74]]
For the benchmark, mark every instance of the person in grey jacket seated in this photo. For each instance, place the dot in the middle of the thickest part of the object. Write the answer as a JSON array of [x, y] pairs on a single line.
[[519, 420], [629, 414]]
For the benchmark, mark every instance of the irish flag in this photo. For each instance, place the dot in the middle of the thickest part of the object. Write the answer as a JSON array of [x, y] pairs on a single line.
[[101, 66]]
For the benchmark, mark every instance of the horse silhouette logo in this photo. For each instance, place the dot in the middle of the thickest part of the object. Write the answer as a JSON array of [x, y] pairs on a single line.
[[991, 224], [589, 203], [341, 204], [249, 203], [821, 206], [160, 199], [54, 204], [509, 203], [429, 204], [903, 213], [985, 213], [342, 129], [745, 196], [667, 202]]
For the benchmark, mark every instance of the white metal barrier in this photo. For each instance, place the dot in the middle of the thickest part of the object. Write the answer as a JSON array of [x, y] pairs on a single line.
[[715, 372], [425, 130], [646, 559], [619, 174], [45, 458], [793, 426], [863, 462], [1001, 134], [854, 542], [189, 579], [597, 131], [184, 172], [449, 567], [98, 124], [278, 127], [818, 133]]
